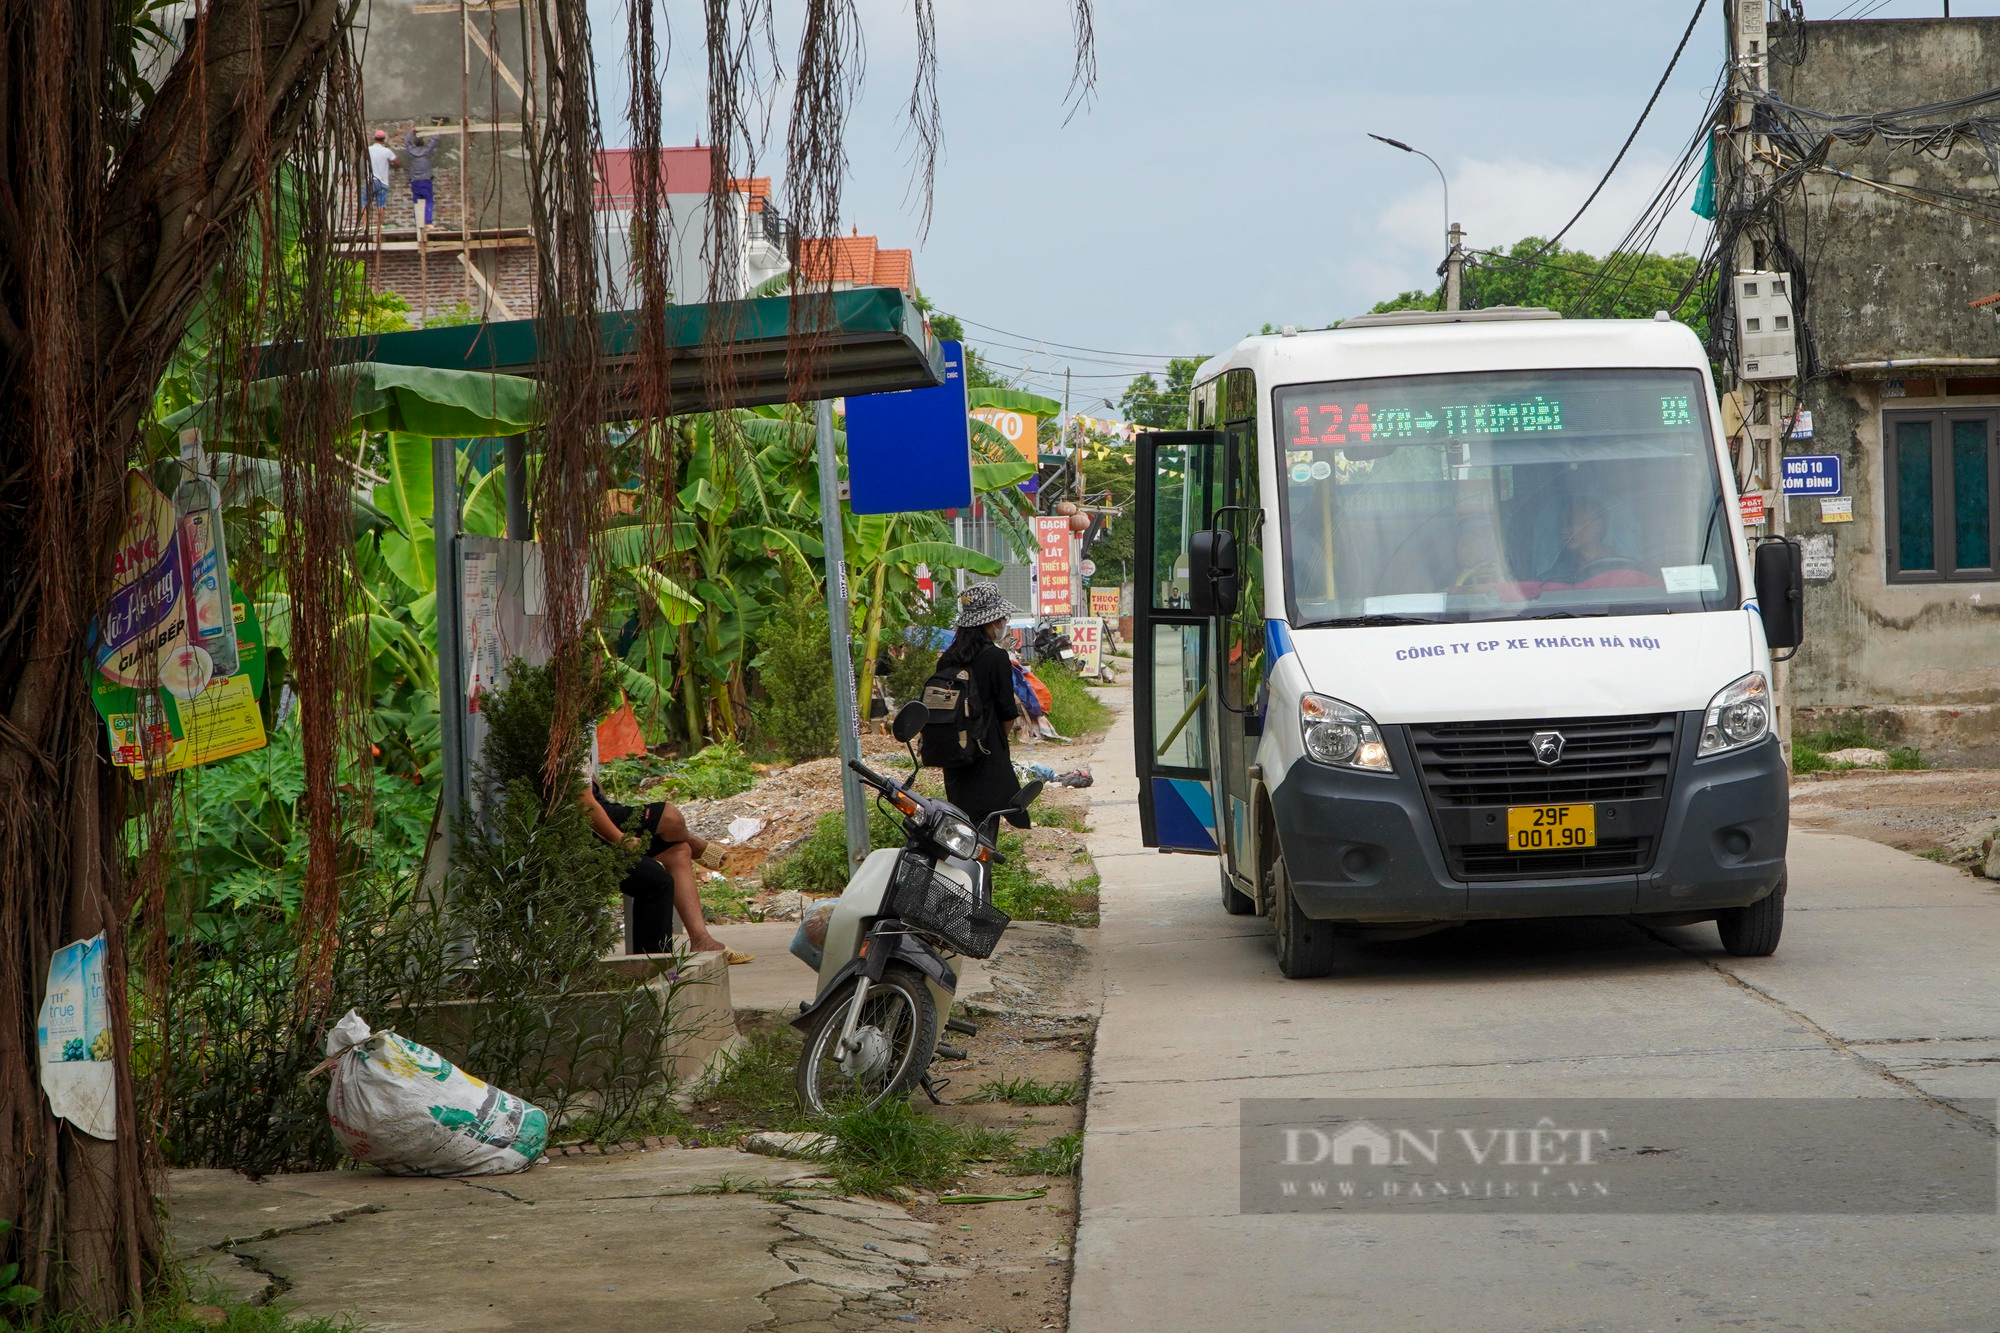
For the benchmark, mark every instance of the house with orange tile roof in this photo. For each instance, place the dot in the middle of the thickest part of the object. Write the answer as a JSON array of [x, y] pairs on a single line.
[[841, 262]]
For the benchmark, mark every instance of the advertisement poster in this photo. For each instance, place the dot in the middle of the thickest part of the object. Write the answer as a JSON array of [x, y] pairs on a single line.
[[167, 701], [1104, 602], [1086, 635], [484, 663], [1057, 587], [74, 1037], [1022, 430]]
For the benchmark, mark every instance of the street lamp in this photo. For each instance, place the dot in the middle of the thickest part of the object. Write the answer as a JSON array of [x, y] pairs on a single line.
[[1451, 255]]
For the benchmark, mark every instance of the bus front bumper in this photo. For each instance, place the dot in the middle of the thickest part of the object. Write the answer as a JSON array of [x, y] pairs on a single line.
[[1364, 847]]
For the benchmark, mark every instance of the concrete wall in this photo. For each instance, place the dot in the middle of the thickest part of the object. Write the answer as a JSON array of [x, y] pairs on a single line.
[[1889, 278]]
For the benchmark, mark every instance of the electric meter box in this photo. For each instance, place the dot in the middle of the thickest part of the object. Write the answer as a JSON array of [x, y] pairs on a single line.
[[1767, 343]]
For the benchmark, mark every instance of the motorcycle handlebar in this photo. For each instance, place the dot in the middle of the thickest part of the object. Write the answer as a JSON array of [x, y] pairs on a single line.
[[870, 776]]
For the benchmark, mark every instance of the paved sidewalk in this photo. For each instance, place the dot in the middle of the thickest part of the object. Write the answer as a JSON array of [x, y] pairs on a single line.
[[1886, 986], [634, 1240]]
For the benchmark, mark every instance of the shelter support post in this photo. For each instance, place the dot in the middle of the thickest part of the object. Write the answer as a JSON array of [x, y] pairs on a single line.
[[839, 632], [520, 527], [451, 671]]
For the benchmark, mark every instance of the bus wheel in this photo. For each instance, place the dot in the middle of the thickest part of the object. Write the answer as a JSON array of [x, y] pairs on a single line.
[[1234, 900], [1305, 946], [1753, 931]]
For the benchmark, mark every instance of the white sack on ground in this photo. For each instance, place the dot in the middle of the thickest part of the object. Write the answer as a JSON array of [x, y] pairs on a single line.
[[404, 1108]]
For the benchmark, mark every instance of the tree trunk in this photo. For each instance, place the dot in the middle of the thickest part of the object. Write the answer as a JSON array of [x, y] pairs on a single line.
[[871, 641], [100, 269]]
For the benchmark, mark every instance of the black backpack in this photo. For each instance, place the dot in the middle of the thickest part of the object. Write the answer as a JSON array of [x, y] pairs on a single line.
[[953, 736]]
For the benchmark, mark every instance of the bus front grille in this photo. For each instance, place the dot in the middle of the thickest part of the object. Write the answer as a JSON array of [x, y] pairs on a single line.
[[1477, 768]]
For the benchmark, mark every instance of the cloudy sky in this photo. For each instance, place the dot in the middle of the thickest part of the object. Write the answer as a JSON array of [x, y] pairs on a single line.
[[1221, 176]]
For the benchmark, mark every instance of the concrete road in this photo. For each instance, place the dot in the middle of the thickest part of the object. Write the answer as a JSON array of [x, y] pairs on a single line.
[[1887, 985]]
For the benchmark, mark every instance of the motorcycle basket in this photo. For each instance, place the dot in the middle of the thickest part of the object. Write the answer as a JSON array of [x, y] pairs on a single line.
[[926, 901]]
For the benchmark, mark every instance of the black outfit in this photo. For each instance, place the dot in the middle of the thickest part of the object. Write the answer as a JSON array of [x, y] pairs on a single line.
[[987, 784], [647, 883]]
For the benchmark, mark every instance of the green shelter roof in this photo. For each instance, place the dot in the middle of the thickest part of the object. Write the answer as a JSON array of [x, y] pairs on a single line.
[[872, 340]]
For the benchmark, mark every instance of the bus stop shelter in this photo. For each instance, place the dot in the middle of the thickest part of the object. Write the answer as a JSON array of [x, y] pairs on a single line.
[[861, 341]]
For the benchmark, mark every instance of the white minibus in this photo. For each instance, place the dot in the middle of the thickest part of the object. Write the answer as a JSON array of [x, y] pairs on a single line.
[[1450, 617]]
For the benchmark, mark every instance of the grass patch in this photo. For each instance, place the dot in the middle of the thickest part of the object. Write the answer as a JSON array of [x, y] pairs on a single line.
[[883, 1148], [1060, 1156], [819, 864], [1029, 1092], [191, 1303], [754, 1091], [724, 899], [1810, 749], [1059, 816], [1026, 894], [1073, 709]]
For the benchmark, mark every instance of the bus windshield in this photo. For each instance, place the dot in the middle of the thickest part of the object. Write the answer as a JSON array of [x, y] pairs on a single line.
[[1502, 496]]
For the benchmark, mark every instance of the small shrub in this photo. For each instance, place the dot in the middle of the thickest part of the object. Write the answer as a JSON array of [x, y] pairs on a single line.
[[521, 715], [913, 661], [796, 713], [1060, 1156], [1073, 709], [712, 773]]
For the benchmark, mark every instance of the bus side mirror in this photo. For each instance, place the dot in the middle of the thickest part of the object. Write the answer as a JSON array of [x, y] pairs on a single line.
[[1212, 576], [1781, 592]]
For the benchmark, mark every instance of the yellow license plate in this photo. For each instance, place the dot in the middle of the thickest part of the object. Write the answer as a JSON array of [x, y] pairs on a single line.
[[1551, 828]]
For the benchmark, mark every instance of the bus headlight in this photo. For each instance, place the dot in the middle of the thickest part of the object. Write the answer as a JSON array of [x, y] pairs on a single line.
[[1341, 735], [1738, 715]]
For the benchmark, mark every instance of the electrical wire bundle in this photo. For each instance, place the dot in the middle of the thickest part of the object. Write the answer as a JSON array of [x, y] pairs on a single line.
[[1933, 129]]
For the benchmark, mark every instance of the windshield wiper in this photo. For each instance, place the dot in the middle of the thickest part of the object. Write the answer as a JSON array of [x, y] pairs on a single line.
[[1352, 622], [1568, 615]]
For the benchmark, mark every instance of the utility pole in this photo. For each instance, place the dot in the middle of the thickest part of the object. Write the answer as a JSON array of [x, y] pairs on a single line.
[[846, 710], [1454, 268], [1763, 399]]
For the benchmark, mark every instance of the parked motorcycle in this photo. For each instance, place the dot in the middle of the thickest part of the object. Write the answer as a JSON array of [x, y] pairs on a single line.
[[886, 980], [1051, 644]]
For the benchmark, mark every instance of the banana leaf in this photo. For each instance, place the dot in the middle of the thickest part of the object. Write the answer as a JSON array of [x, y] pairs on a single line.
[[676, 603], [420, 400], [1014, 400], [942, 555]]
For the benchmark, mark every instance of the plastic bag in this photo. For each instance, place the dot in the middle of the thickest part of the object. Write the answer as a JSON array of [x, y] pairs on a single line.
[[809, 940], [405, 1108]]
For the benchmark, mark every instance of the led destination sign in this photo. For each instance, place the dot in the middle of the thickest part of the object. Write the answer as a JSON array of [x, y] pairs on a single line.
[[1458, 407]]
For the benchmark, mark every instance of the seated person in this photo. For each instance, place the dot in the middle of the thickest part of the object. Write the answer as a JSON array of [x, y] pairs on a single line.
[[662, 879], [1585, 560]]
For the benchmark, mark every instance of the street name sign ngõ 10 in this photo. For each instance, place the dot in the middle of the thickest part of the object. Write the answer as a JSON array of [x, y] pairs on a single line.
[[911, 450], [1812, 474]]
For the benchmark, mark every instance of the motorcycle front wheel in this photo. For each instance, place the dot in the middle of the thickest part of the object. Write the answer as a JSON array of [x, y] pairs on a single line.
[[893, 1043]]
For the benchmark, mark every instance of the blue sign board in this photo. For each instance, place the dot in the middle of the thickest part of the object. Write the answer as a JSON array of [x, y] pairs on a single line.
[[911, 450], [1812, 474]]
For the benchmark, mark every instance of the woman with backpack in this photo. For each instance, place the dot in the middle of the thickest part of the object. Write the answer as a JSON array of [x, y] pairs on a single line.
[[967, 736]]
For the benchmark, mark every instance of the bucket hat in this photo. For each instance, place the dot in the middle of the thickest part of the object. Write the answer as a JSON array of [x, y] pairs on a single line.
[[981, 604]]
